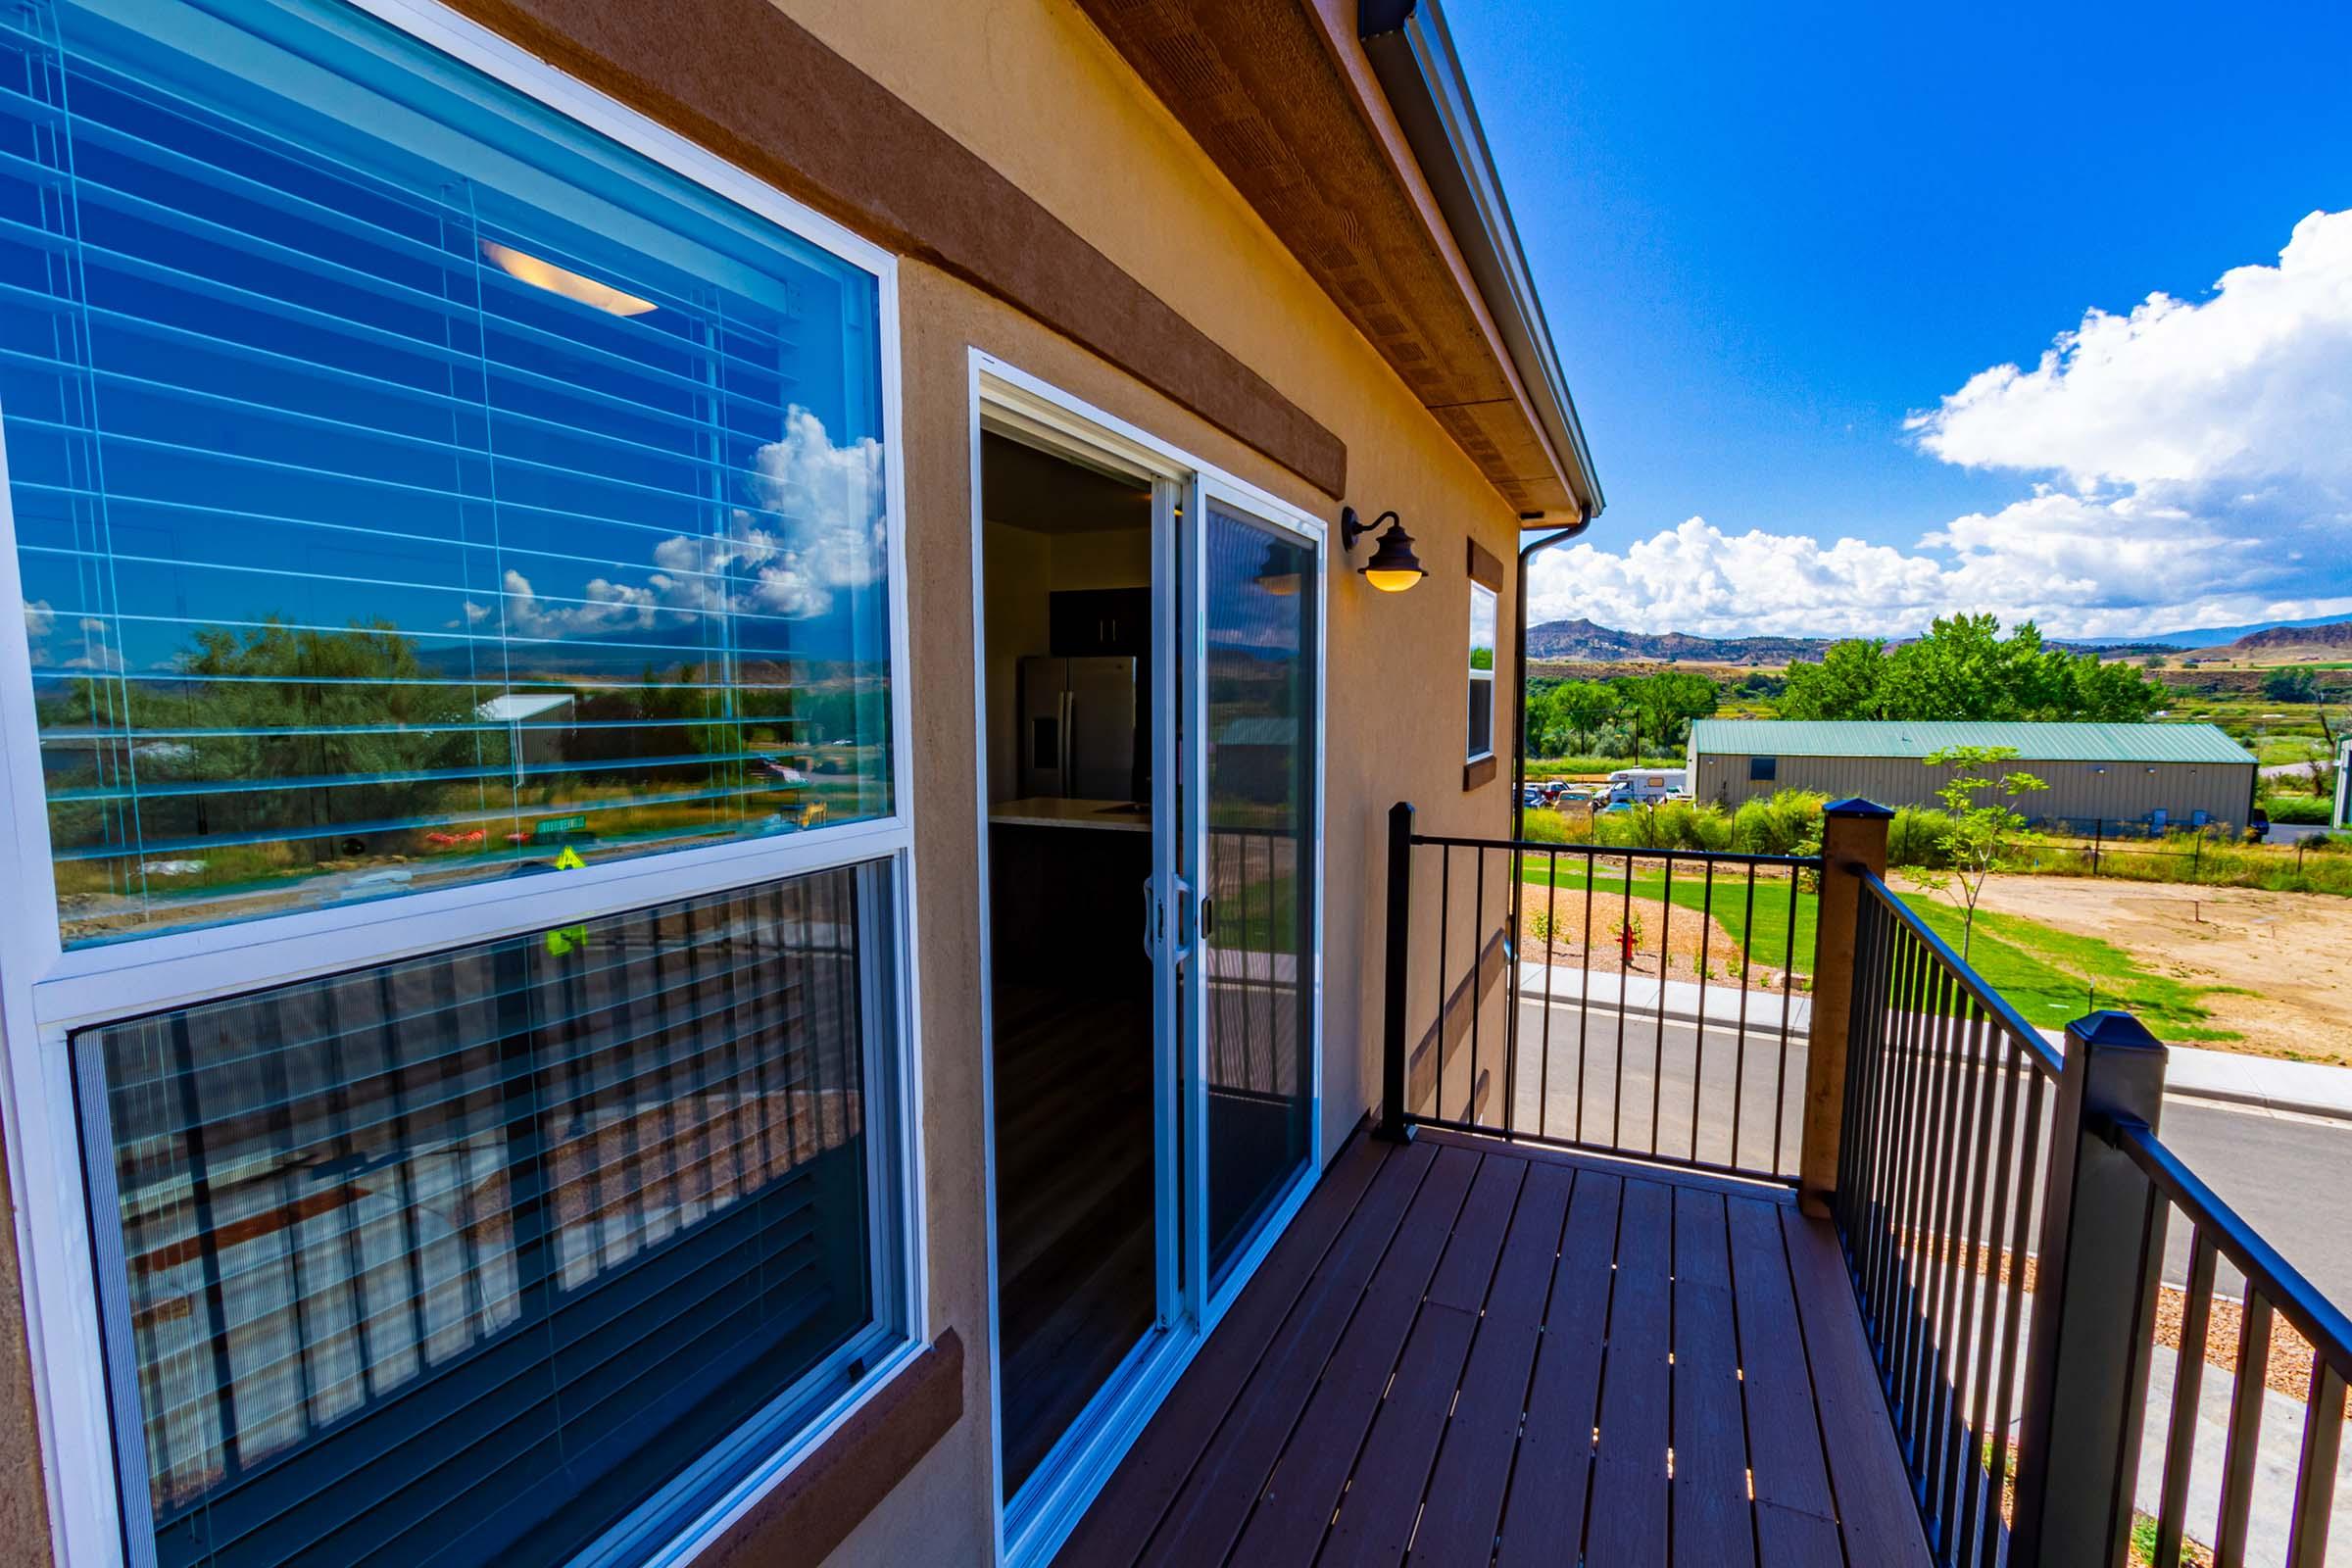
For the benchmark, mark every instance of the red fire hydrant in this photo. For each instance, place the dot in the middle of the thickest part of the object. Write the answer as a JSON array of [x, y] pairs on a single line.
[[1625, 946]]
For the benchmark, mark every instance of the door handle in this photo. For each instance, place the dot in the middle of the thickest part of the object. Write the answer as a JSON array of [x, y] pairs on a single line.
[[1209, 917], [1152, 919], [1069, 744]]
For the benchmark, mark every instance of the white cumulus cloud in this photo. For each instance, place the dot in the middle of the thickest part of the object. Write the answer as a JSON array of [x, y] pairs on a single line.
[[2187, 463], [815, 528]]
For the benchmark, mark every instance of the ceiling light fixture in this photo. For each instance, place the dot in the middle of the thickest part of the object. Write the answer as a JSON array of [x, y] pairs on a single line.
[[525, 268]]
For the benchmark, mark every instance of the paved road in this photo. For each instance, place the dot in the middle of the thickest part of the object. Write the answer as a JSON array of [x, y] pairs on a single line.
[[2291, 1178]]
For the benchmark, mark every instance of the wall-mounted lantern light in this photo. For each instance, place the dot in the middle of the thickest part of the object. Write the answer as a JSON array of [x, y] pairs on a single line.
[[1394, 568]]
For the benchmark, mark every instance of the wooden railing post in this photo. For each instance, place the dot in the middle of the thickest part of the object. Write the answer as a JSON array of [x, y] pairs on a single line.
[[2095, 1305], [1853, 840], [1392, 1127]]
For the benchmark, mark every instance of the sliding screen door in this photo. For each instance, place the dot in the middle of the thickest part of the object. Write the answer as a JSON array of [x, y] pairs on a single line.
[[1253, 868]]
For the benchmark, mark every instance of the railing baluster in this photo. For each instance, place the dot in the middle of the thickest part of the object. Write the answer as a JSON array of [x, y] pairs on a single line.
[[1895, 1184], [1625, 985], [1657, 1053], [2314, 1475], [1962, 1365], [1779, 1076], [1747, 949], [2241, 1453], [1698, 1028], [1477, 970], [1551, 932], [2013, 1312], [1977, 1501], [2188, 1383], [1515, 865], [1584, 1011], [1437, 1043]]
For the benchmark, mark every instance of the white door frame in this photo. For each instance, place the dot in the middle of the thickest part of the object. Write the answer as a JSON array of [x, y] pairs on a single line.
[[1058, 1496]]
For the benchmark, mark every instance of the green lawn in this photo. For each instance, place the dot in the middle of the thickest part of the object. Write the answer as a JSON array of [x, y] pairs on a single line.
[[2048, 975]]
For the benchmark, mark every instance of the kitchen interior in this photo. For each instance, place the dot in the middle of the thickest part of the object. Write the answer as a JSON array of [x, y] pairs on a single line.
[[1066, 572]]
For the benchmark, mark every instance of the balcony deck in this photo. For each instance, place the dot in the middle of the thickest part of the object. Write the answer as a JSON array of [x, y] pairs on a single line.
[[1465, 1351]]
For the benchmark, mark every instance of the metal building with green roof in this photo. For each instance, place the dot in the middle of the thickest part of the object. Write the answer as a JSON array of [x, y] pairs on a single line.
[[2149, 775]]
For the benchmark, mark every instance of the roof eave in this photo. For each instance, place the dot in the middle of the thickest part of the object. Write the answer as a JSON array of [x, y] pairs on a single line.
[[1413, 57]]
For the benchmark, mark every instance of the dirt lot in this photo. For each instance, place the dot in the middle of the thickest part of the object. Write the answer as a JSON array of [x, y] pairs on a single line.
[[1685, 933], [2291, 950]]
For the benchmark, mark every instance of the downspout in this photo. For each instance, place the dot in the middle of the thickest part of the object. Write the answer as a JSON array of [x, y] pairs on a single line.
[[1528, 553]]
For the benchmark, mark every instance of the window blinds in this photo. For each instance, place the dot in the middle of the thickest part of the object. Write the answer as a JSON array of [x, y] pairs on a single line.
[[453, 1260], [410, 487]]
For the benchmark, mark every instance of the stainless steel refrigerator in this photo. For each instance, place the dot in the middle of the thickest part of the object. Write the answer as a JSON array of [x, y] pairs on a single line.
[[1078, 728]]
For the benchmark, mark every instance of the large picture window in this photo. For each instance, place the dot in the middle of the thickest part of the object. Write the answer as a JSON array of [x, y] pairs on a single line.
[[411, 487], [458, 1258], [415, 489]]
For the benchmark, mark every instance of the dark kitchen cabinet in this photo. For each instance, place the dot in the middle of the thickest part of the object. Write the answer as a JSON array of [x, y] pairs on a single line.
[[1088, 622]]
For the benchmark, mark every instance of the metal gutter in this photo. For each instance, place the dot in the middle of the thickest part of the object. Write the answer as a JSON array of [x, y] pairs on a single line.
[[1412, 55], [1527, 552]]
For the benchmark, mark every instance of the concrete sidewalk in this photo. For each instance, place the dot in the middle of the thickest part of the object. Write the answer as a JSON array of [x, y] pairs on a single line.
[[2299, 1088]]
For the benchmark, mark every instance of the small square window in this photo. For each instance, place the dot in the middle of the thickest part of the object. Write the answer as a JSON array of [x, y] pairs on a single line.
[[1482, 671], [1763, 769]]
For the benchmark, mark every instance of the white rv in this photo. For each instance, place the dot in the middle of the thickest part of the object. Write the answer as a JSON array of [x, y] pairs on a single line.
[[1646, 786]]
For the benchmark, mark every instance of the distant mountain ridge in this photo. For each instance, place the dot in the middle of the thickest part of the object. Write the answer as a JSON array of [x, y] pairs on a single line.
[[1588, 642], [2331, 634], [1591, 643]]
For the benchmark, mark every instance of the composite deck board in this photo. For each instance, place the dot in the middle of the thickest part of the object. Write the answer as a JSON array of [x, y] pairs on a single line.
[[1480, 1353], [1173, 1444], [1464, 1507], [1876, 1514], [1300, 1496], [1628, 1512], [1217, 1496], [1790, 1472], [1376, 1513], [1552, 1475], [1714, 1524]]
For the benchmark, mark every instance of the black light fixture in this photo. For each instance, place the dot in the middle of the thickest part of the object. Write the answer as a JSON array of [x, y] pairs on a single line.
[[1394, 568]]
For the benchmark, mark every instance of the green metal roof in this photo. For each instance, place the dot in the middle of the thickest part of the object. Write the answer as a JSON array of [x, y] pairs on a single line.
[[2042, 742]]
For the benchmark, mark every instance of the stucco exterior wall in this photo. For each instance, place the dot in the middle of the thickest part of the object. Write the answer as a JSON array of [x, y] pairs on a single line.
[[1031, 87], [2114, 791]]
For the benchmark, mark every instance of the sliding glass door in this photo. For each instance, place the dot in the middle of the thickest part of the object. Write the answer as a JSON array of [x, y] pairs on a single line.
[[1253, 860]]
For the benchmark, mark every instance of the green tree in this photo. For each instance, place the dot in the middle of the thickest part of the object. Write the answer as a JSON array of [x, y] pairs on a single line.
[[1849, 682], [1983, 834], [1573, 711], [1964, 669], [2291, 686], [1665, 704]]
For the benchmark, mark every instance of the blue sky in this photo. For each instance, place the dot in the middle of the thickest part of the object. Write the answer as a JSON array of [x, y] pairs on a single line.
[[1768, 240]]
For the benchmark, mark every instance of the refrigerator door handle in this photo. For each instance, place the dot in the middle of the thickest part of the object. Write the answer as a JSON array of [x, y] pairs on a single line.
[[1069, 743]]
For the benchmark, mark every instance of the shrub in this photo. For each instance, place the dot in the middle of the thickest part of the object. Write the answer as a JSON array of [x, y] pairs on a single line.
[[1914, 838], [2311, 810], [1787, 822]]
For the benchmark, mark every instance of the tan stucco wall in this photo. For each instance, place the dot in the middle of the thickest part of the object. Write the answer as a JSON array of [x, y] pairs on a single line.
[[1031, 87]]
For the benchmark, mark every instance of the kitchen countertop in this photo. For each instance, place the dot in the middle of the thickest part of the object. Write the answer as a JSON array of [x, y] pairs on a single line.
[[1048, 810]]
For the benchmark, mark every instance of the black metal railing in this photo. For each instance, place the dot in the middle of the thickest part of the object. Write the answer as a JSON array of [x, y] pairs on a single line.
[[2004, 1207], [1940, 1169], [1643, 1002], [2271, 1290]]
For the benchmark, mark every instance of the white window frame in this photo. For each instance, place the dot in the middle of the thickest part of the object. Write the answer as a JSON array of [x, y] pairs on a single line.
[[1477, 674], [47, 991], [1002, 394]]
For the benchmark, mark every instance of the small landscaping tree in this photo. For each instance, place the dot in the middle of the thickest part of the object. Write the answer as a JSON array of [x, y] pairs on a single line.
[[1982, 834]]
